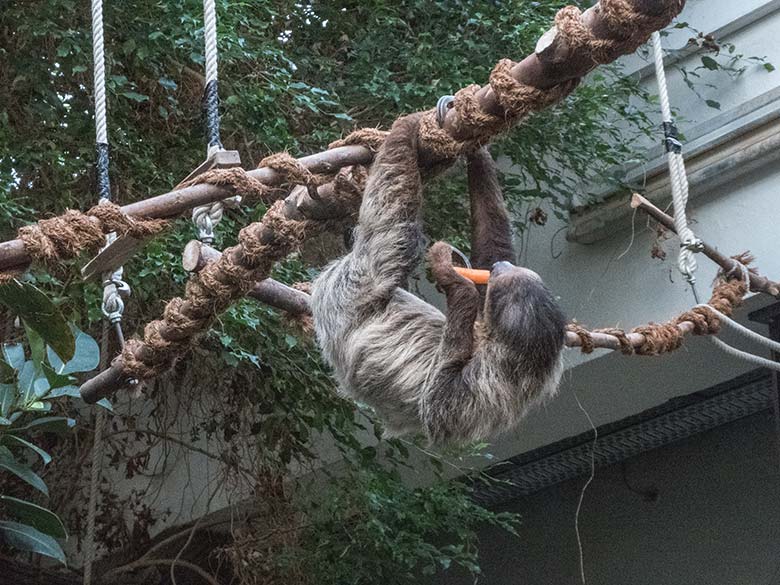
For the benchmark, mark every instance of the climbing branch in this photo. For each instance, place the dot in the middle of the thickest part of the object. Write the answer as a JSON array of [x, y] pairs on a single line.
[[600, 36], [577, 44], [758, 283]]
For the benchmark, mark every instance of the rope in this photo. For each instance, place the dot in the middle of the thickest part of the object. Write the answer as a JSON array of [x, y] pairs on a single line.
[[99, 77], [49, 238], [745, 356], [689, 243], [211, 92], [97, 461], [206, 217]]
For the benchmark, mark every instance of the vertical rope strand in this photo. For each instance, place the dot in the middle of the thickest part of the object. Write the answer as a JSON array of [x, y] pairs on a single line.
[[678, 178], [99, 78], [97, 461], [114, 288], [210, 91], [206, 217]]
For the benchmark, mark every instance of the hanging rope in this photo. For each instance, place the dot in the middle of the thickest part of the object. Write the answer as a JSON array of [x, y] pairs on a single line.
[[689, 243], [97, 461], [114, 287], [206, 217], [211, 90]]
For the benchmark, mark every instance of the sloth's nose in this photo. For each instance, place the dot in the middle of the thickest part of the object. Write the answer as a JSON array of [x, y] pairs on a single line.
[[501, 268]]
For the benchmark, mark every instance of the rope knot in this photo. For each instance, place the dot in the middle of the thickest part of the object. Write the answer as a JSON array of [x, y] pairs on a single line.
[[586, 339]]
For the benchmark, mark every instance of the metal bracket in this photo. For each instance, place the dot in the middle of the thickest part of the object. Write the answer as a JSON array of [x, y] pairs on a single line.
[[123, 248], [219, 159]]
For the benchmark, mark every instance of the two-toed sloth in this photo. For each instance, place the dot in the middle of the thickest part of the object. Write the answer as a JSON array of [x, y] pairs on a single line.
[[457, 378]]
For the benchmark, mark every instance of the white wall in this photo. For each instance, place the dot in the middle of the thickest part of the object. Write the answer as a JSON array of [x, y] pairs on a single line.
[[615, 282]]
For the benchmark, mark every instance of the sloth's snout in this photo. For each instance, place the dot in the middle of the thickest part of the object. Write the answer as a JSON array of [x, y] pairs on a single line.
[[501, 268]]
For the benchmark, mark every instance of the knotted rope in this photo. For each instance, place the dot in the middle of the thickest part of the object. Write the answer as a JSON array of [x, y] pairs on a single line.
[[294, 172], [659, 338], [64, 237], [221, 282]]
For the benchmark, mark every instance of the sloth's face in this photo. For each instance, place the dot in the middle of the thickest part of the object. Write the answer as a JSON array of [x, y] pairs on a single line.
[[520, 309]]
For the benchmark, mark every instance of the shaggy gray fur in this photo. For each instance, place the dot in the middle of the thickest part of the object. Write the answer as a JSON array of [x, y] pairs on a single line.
[[420, 371]]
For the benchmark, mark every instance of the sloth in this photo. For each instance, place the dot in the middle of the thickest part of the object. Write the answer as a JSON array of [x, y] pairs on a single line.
[[460, 378]]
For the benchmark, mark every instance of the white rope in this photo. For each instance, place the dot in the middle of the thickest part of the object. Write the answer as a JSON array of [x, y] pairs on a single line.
[[114, 288], [689, 243], [98, 56], [210, 34], [745, 356], [206, 217], [740, 329]]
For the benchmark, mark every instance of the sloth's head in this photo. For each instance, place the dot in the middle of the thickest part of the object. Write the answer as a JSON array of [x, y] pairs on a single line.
[[521, 311]]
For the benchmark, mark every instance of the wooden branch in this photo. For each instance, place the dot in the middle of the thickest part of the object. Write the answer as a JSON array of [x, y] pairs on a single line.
[[552, 63], [605, 341], [174, 203], [269, 291], [758, 283]]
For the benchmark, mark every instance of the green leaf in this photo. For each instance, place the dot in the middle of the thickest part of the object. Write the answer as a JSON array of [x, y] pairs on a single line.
[[103, 402], [56, 380], [291, 341], [14, 354], [135, 96], [50, 424], [27, 538], [769, 67], [7, 373], [86, 355], [10, 439], [24, 473], [36, 516], [40, 314], [713, 104], [70, 390], [37, 345], [8, 397], [26, 385], [710, 63]]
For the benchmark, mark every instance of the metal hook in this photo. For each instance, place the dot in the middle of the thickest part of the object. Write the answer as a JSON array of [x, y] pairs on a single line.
[[442, 107]]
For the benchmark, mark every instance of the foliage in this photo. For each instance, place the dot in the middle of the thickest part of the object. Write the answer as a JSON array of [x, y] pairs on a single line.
[[292, 76], [27, 389]]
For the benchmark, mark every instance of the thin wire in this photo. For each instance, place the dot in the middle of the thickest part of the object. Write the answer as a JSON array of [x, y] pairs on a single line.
[[585, 487]]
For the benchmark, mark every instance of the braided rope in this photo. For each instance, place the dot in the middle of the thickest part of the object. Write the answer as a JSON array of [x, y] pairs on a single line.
[[690, 244], [98, 56]]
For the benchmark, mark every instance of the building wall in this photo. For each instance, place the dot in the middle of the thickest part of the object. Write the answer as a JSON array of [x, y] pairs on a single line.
[[613, 281], [715, 521]]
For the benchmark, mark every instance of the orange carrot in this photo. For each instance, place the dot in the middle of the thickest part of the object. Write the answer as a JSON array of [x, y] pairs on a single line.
[[475, 276]]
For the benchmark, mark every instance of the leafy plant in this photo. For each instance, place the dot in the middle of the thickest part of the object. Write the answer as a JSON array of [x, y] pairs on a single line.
[[33, 374]]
